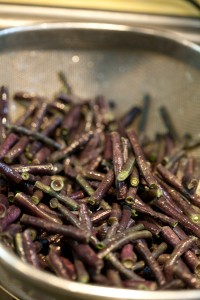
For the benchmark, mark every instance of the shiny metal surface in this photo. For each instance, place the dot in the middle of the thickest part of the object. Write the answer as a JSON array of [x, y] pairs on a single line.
[[21, 15], [122, 63], [29, 284]]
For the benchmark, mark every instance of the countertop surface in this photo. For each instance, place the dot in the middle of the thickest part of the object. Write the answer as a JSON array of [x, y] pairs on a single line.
[[166, 7]]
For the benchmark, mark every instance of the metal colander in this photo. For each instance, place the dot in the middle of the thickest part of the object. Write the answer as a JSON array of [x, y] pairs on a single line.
[[119, 62], [122, 63]]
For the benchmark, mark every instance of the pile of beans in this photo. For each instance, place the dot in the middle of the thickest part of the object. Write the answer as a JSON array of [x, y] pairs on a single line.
[[89, 197]]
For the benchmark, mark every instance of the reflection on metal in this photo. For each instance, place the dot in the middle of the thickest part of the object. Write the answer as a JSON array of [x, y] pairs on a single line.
[[5, 295], [16, 15]]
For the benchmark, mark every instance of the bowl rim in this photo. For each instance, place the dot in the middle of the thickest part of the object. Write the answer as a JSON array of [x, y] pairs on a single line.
[[149, 31], [10, 260], [40, 278]]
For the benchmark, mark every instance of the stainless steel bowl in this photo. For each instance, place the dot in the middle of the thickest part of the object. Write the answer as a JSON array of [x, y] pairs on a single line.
[[122, 63]]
